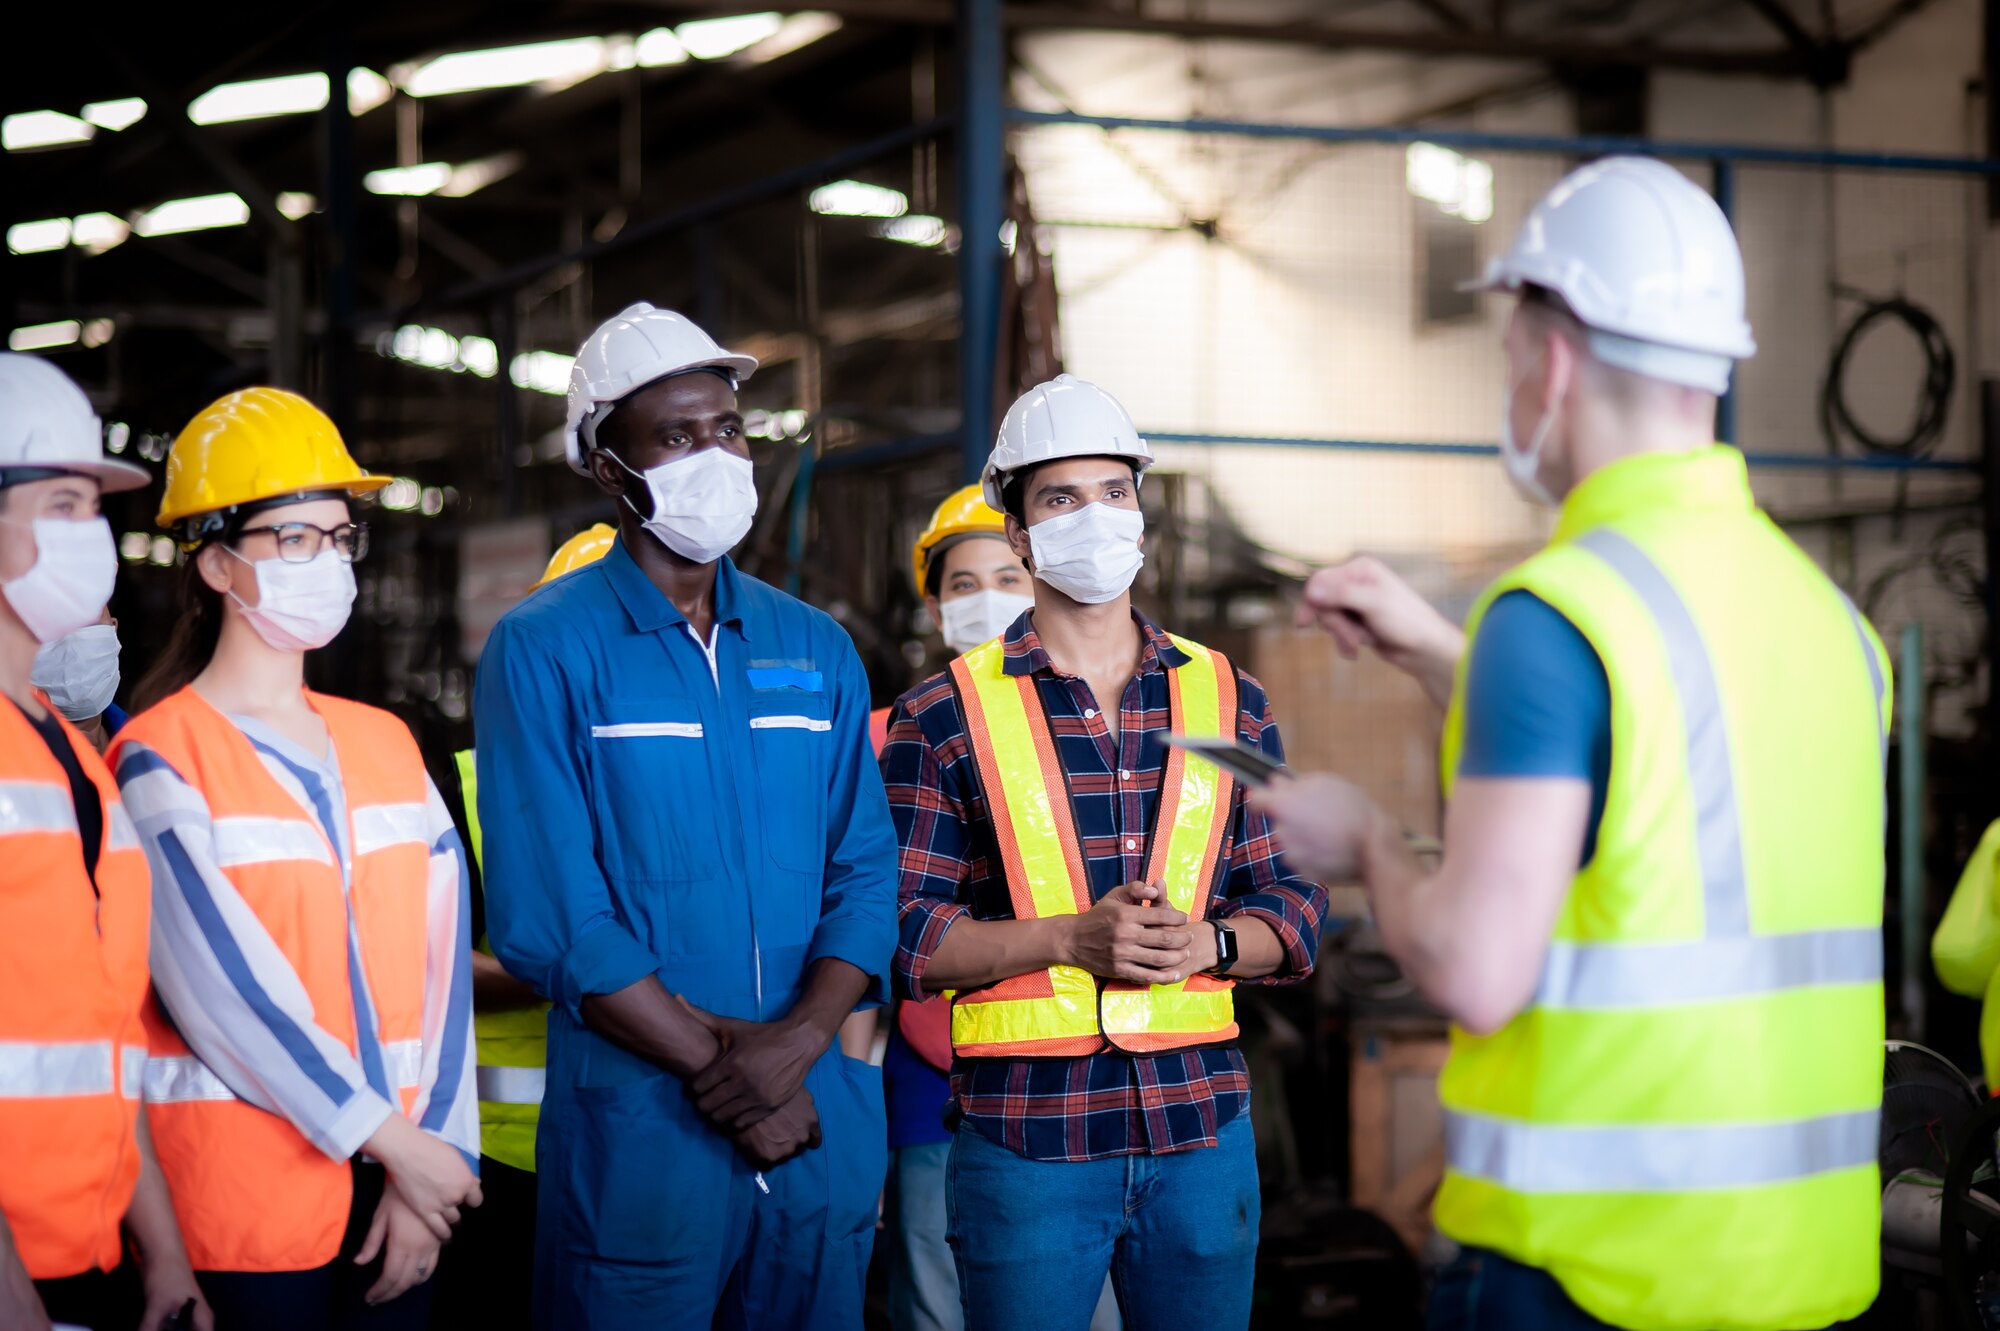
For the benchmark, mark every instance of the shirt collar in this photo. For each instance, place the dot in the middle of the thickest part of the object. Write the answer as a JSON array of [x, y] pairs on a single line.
[[651, 609], [1025, 655], [1713, 478]]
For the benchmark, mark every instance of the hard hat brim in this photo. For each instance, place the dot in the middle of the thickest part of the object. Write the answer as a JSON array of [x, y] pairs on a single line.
[[112, 477], [354, 489]]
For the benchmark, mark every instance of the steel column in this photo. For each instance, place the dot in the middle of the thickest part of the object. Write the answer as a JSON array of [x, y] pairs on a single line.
[[1725, 199], [981, 203]]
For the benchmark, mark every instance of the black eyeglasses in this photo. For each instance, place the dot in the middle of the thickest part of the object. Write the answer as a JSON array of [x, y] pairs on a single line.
[[300, 542]]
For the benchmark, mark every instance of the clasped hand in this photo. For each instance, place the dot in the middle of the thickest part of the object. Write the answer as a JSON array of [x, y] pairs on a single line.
[[754, 1092], [1132, 934]]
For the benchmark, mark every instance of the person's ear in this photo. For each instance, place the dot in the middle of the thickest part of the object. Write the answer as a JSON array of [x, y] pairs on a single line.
[[934, 608], [1017, 541], [1559, 370], [610, 477], [212, 562]]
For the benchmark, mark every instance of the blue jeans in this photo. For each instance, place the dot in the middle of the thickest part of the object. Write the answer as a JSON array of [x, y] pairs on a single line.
[[1034, 1238], [923, 1279], [1479, 1290]]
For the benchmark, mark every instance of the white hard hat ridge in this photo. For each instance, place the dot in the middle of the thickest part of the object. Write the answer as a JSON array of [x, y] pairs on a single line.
[[1644, 257], [639, 345], [1066, 417], [47, 421]]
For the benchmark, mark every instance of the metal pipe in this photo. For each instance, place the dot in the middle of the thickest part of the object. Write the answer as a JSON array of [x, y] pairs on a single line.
[[1913, 936], [981, 185], [339, 179], [1809, 461], [795, 536], [1591, 145]]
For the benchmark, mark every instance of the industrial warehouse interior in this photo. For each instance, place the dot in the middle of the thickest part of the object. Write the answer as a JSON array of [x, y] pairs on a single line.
[[1259, 228]]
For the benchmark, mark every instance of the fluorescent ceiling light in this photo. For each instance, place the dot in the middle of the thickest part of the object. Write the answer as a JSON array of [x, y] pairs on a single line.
[[714, 38], [38, 237], [116, 114], [471, 177], [543, 371], [1459, 185], [400, 494], [796, 31], [508, 67], [43, 129], [424, 178], [98, 232], [659, 47], [918, 229], [366, 90], [38, 337], [296, 204], [289, 95], [196, 214], [481, 356], [98, 331], [856, 198], [133, 545]]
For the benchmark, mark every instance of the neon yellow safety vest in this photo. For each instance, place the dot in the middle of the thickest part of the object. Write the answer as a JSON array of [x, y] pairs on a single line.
[[1681, 1126], [1966, 947], [1065, 1010], [513, 1045]]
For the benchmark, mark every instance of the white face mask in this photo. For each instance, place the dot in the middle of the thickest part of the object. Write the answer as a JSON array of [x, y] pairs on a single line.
[[967, 621], [299, 606], [702, 505], [76, 564], [79, 671], [1524, 467], [1090, 555]]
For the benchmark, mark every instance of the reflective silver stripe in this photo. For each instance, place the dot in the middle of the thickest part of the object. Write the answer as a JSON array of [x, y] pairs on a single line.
[[403, 1060], [648, 730], [30, 1070], [33, 806], [789, 723], [1545, 1158], [183, 1079], [379, 826], [511, 1086], [131, 1071], [1718, 833], [248, 840], [122, 835], [1644, 975]]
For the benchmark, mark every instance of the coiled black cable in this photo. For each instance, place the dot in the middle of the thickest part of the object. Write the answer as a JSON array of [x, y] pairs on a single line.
[[1933, 404]]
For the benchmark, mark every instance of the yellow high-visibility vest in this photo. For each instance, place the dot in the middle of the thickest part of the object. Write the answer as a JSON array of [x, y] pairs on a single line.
[[1065, 1010], [513, 1045], [1966, 947], [1681, 1126]]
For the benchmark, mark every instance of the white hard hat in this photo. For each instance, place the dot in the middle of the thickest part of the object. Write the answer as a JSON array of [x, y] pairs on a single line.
[[1646, 261], [637, 346], [1063, 418], [46, 424]]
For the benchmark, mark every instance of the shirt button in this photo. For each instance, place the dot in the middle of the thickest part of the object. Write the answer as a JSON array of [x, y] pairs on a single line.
[[1089, 712], [1124, 775], [1130, 844]]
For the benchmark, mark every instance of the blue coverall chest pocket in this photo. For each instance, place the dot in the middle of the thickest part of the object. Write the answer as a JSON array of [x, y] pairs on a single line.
[[650, 761], [791, 737]]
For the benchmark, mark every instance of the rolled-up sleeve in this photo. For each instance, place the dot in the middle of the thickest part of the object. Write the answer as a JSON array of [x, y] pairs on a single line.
[[933, 855], [857, 921], [1260, 885], [549, 911]]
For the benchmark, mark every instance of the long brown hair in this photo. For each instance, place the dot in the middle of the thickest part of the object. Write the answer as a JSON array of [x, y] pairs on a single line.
[[192, 645]]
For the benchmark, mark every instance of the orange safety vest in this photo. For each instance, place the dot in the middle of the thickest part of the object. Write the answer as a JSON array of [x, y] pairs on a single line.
[[71, 1048], [252, 1193], [1065, 1011]]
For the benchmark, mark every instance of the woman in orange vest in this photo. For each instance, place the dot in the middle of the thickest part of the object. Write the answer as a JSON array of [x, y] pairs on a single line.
[[76, 1163], [310, 1081]]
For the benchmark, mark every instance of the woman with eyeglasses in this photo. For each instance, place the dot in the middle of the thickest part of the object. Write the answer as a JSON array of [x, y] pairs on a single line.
[[309, 1083]]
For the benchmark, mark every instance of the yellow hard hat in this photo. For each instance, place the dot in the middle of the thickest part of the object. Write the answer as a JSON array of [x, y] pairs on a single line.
[[965, 513], [586, 547], [253, 444]]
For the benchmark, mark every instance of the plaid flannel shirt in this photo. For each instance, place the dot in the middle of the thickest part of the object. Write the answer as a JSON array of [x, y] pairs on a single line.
[[1111, 1103]]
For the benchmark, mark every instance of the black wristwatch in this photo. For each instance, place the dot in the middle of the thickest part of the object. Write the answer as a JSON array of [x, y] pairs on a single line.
[[1225, 948]]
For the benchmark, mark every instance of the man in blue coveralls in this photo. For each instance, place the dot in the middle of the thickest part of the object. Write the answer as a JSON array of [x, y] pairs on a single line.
[[689, 853]]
